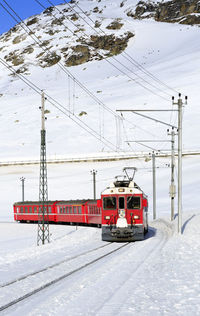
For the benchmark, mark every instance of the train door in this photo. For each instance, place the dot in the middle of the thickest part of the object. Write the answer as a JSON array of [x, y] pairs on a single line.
[[121, 221]]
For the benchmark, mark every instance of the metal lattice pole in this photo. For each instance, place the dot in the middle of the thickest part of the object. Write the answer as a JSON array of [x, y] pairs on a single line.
[[43, 220]]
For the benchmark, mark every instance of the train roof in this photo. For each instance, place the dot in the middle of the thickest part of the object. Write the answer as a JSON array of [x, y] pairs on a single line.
[[59, 202], [125, 186]]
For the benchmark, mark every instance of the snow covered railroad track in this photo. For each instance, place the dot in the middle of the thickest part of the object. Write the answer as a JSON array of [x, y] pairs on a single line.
[[52, 266], [37, 281]]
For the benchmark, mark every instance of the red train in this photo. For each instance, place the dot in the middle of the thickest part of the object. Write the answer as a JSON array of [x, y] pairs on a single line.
[[122, 211], [78, 211]]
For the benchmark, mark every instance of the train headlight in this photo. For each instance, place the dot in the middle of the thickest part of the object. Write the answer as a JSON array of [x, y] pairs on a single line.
[[106, 217], [136, 217]]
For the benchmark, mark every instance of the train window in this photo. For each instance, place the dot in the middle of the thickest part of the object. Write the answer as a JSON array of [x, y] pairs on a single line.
[[70, 210], [133, 202], [75, 210], [109, 203], [49, 209], [64, 209], [67, 209], [79, 209], [35, 209], [26, 209], [21, 209], [121, 202]]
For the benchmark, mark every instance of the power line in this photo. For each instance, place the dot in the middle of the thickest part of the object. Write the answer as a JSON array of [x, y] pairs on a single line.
[[124, 54], [69, 75], [47, 51], [108, 61], [60, 107]]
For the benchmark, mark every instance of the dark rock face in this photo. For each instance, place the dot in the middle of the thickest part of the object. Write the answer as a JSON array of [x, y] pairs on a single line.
[[49, 60], [181, 11], [115, 25], [81, 55], [88, 50], [115, 45], [15, 58]]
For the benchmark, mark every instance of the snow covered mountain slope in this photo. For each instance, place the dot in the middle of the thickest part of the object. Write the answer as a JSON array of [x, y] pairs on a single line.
[[169, 51]]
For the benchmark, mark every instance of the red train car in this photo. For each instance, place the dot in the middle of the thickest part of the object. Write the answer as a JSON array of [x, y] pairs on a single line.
[[72, 212], [124, 212], [28, 211], [79, 211]]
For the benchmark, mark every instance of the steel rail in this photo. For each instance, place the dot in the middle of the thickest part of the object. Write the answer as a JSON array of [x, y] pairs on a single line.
[[62, 277], [51, 266]]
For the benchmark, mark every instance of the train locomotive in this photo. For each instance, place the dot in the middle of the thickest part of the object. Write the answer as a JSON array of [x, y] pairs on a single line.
[[122, 211]]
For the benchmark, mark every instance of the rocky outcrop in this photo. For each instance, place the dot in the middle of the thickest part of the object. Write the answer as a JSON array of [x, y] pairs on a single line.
[[181, 11], [111, 43], [115, 25], [81, 54], [89, 50]]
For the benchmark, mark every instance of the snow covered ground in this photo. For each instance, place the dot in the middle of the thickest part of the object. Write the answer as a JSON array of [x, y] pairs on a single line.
[[158, 276]]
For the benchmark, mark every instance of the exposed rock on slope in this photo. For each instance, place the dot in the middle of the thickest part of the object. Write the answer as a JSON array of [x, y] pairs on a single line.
[[181, 11], [62, 36]]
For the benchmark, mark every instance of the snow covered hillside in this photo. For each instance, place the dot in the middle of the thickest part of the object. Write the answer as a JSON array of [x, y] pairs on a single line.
[[92, 58], [169, 51]]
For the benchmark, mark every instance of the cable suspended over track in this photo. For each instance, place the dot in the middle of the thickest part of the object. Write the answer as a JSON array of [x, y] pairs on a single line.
[[108, 60]]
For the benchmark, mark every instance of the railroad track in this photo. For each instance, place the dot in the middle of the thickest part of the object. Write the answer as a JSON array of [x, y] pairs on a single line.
[[10, 291], [23, 277]]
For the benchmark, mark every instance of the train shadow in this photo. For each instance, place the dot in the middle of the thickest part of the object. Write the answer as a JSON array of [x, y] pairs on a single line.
[[186, 222], [151, 233]]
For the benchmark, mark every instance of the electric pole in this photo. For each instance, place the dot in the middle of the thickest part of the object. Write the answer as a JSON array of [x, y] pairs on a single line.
[[154, 183], [43, 222], [94, 172], [22, 180], [180, 145], [172, 188]]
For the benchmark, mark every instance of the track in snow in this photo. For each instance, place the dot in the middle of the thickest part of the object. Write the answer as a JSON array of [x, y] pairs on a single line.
[[46, 275]]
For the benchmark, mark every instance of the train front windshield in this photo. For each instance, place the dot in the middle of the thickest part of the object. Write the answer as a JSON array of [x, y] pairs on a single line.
[[109, 203]]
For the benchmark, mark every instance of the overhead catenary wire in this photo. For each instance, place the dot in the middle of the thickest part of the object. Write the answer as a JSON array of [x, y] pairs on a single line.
[[27, 29], [112, 57], [48, 51], [124, 54], [61, 12], [60, 107], [63, 68]]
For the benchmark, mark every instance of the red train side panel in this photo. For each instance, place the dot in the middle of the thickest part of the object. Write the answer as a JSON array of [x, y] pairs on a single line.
[[74, 211]]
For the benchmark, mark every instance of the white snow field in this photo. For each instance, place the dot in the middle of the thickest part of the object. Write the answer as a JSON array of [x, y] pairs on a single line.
[[157, 276]]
